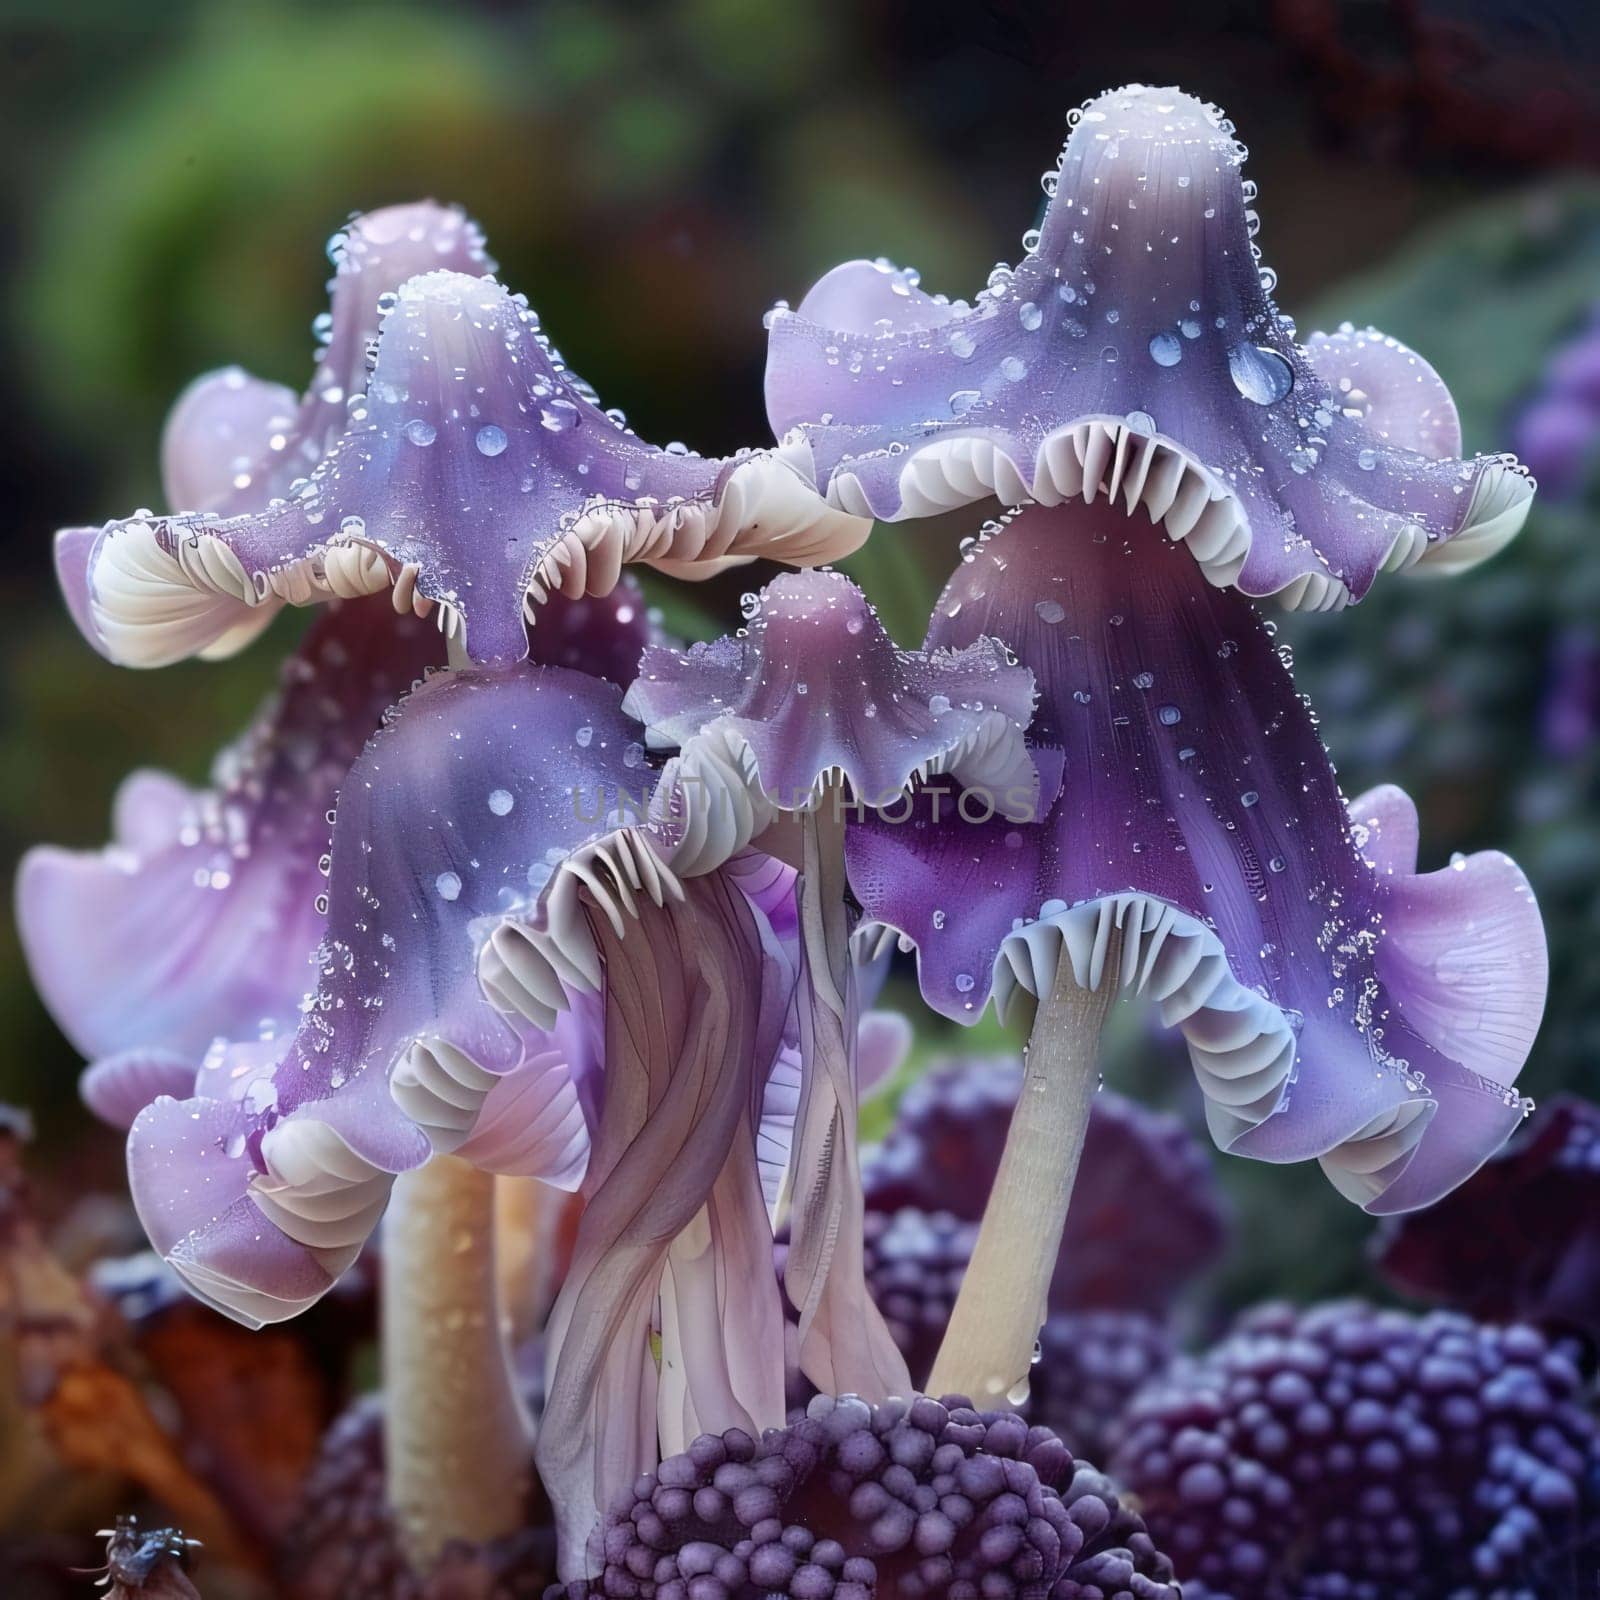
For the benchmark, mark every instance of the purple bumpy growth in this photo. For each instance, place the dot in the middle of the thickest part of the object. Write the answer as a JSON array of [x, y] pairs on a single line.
[[1350, 1452], [853, 1502], [1147, 1216], [1519, 1240]]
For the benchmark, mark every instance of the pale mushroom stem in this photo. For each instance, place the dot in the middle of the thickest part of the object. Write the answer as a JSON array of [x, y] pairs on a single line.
[[458, 1444], [845, 1346], [989, 1344]]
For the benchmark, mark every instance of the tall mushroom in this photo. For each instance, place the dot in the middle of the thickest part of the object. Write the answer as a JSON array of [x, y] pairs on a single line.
[[668, 1322], [1337, 1004]]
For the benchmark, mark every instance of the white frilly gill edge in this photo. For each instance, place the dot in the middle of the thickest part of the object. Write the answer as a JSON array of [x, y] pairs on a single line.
[[325, 1196], [706, 808], [1242, 1047], [163, 589], [1179, 494], [766, 508]]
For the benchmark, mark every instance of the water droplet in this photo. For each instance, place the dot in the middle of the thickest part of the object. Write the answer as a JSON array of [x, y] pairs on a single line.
[[962, 343], [1249, 798], [1049, 610], [1189, 328], [1260, 374], [1029, 315], [965, 982], [420, 432], [1013, 370], [1170, 716], [449, 885], [1166, 350], [938, 919], [559, 415], [1144, 680], [963, 400], [491, 440], [1367, 460], [938, 704], [584, 736], [501, 801]]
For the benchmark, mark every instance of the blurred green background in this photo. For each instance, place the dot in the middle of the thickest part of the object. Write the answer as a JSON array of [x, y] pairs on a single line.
[[654, 177]]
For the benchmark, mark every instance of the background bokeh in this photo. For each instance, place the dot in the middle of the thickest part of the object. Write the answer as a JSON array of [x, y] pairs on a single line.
[[654, 177]]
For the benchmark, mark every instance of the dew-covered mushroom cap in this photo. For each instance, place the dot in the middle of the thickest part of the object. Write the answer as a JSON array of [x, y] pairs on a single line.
[[813, 687], [475, 475], [261, 1195], [1136, 351], [1337, 1004]]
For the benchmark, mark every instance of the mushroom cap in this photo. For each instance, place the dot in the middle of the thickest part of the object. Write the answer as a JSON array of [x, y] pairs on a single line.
[[1337, 1003], [1136, 350]]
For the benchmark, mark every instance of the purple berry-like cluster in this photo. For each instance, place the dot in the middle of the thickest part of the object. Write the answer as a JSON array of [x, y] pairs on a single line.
[[1521, 1238], [944, 1148], [345, 1546], [1147, 1214], [1091, 1364], [915, 1261], [859, 1502], [1351, 1453]]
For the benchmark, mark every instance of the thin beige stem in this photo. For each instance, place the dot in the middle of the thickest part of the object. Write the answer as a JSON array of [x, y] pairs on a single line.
[[988, 1346], [457, 1445]]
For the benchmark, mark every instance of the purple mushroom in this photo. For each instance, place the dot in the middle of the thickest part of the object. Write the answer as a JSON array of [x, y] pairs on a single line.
[[1337, 1005], [811, 710], [666, 918], [1136, 351], [199, 918], [233, 444], [1133, 377], [470, 473]]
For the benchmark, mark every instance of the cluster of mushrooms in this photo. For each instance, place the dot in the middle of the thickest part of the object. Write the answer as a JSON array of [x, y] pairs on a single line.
[[609, 914]]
